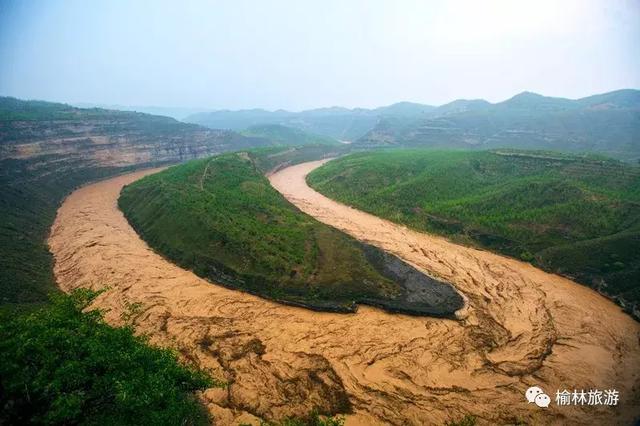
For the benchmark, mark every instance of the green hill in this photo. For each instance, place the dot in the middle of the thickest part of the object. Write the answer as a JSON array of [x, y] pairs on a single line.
[[221, 218], [573, 215]]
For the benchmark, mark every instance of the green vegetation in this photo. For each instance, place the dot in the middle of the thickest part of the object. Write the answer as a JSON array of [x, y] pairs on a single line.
[[467, 420], [12, 109], [62, 366], [282, 135], [576, 216], [314, 419], [221, 218]]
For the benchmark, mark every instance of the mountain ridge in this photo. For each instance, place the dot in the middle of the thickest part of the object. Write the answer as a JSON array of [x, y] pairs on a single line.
[[389, 124], [607, 124]]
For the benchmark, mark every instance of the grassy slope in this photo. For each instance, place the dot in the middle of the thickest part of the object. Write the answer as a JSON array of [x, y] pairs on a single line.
[[221, 218], [235, 228], [577, 216]]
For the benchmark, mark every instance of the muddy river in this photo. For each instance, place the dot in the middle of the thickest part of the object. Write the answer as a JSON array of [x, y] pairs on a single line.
[[520, 327]]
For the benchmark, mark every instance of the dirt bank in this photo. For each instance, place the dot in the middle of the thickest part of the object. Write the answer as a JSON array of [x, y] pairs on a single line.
[[521, 327]]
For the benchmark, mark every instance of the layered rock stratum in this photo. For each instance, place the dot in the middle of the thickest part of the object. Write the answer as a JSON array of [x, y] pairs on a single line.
[[115, 139]]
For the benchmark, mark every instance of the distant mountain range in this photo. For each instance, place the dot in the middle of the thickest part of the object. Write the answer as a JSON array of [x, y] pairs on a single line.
[[338, 123], [607, 124]]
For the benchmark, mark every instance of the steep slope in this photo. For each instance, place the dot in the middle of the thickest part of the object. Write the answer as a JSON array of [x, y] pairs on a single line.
[[606, 124], [569, 215], [48, 149]]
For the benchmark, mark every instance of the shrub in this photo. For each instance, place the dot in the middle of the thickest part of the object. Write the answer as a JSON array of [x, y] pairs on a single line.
[[467, 420], [313, 419], [65, 366]]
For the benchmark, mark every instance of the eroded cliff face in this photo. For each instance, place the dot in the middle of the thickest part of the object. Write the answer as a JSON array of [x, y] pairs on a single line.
[[116, 140]]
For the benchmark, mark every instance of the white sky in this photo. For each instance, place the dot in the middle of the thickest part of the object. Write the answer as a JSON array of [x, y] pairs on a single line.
[[298, 54]]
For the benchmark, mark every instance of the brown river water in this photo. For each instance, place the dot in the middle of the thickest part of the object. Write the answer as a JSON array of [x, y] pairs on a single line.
[[520, 327]]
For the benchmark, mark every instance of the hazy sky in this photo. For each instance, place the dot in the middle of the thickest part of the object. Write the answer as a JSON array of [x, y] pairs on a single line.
[[302, 54]]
